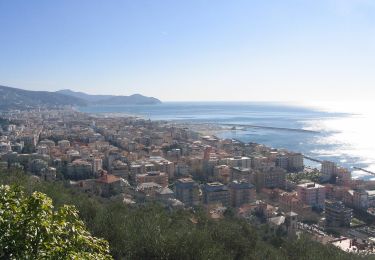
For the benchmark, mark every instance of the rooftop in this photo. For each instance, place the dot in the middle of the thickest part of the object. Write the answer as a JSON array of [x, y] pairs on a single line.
[[215, 186], [108, 178], [241, 184], [310, 185]]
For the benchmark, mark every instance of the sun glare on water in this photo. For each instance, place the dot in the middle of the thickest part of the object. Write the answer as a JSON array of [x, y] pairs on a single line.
[[352, 134]]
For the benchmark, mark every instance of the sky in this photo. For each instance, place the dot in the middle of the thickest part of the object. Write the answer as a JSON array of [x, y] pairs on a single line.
[[305, 51]]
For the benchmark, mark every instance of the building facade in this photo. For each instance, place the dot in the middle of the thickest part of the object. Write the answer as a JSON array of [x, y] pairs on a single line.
[[241, 192], [337, 215], [216, 193], [312, 194], [187, 191]]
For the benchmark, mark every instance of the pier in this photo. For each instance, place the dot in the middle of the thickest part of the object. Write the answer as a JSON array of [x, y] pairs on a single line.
[[312, 159], [234, 126], [354, 167], [364, 170]]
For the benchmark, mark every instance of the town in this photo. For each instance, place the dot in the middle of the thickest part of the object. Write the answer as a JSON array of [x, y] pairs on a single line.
[[141, 160]]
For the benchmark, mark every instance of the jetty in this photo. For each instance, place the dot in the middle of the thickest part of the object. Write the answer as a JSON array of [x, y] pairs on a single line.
[[312, 159], [364, 170], [234, 127]]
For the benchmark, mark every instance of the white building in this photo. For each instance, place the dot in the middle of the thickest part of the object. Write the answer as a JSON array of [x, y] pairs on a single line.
[[312, 194], [240, 161]]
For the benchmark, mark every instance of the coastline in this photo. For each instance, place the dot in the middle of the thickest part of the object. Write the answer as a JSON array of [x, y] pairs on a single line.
[[204, 119]]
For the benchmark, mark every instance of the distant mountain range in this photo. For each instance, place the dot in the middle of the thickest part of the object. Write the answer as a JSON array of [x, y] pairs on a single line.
[[14, 98], [135, 99]]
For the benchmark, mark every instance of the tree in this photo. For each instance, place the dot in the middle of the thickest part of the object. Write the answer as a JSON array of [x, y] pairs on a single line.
[[30, 228], [146, 231]]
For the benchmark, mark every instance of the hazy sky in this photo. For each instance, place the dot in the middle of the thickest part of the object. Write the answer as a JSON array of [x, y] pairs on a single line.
[[305, 50]]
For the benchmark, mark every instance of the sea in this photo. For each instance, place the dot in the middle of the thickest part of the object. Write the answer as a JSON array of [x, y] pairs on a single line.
[[343, 137]]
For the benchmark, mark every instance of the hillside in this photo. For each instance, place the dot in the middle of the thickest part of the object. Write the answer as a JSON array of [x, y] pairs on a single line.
[[84, 96], [150, 231], [135, 99], [14, 98]]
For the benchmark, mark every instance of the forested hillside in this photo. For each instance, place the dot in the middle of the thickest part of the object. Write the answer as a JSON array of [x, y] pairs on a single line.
[[153, 232]]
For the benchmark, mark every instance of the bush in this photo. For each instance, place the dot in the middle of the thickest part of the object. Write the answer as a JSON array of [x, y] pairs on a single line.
[[30, 228]]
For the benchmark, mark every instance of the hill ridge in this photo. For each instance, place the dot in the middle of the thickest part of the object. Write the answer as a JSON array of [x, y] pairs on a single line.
[[134, 99], [16, 98]]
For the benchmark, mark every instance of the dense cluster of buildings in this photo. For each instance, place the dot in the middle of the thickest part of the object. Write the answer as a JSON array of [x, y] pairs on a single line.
[[141, 160]]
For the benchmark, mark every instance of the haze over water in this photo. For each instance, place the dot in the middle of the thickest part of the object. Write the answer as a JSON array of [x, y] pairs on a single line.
[[345, 138]]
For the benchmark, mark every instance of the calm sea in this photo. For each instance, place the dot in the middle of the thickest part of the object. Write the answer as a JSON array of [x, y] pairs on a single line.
[[339, 137]]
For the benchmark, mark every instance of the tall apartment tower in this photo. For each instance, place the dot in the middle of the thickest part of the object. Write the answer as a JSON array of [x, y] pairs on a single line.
[[187, 191], [337, 215], [295, 162], [216, 193], [241, 192], [328, 169], [312, 194]]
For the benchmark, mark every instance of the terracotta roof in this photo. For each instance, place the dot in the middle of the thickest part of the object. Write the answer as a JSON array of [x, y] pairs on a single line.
[[108, 178]]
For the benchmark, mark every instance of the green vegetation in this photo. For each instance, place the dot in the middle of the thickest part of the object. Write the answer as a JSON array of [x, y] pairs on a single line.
[[313, 176], [152, 232], [333, 232], [30, 228], [356, 222]]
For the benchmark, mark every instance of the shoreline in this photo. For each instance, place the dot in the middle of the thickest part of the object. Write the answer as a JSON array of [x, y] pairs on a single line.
[[216, 129], [208, 128]]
